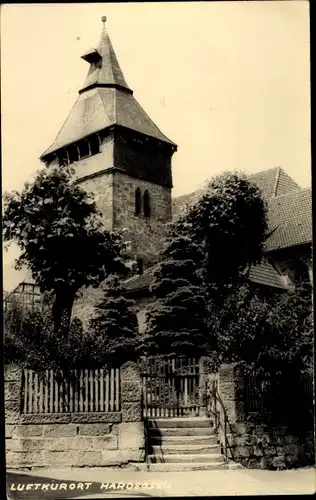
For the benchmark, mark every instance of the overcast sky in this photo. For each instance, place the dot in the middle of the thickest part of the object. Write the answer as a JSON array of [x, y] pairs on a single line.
[[227, 81]]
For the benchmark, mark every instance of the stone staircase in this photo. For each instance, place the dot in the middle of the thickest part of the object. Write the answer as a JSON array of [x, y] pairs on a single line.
[[179, 444]]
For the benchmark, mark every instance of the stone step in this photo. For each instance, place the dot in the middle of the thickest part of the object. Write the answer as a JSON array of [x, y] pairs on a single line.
[[193, 422], [185, 466], [177, 458], [166, 440], [187, 449], [181, 431]]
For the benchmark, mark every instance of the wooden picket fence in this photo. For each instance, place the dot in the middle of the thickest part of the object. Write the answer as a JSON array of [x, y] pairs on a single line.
[[81, 391]]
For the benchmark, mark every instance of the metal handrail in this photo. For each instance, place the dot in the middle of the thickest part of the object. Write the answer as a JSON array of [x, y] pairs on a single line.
[[214, 397]]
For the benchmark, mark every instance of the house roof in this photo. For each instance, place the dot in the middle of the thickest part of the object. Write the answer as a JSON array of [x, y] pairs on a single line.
[[289, 208], [290, 219], [272, 182], [104, 100], [263, 274], [141, 281]]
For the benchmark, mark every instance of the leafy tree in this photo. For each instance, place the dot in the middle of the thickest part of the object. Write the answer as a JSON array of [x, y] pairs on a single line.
[[176, 322], [273, 340], [61, 237], [229, 225], [113, 327], [29, 340], [267, 334]]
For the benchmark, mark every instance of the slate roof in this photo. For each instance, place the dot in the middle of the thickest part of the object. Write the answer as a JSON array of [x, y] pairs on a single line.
[[100, 108], [105, 100], [104, 66]]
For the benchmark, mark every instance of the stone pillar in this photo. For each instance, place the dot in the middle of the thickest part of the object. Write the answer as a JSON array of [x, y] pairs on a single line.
[[131, 430], [131, 392], [12, 393], [204, 372], [231, 391]]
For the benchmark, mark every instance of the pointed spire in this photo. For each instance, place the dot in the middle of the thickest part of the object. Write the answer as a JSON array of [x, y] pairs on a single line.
[[104, 68]]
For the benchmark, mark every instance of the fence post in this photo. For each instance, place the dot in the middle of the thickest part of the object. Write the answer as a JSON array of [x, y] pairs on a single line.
[[12, 393]]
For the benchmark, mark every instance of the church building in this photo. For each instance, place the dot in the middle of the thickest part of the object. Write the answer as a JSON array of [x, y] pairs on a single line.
[[120, 155]]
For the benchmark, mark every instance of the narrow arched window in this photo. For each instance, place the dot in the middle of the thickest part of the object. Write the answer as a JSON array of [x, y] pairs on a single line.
[[140, 266], [147, 207], [138, 201]]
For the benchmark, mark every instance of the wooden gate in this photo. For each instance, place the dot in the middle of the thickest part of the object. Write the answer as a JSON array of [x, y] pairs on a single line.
[[170, 387]]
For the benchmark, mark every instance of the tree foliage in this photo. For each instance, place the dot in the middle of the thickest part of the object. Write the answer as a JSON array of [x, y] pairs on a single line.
[[30, 340], [177, 321], [266, 334], [229, 224], [210, 248], [61, 237], [273, 341], [113, 327]]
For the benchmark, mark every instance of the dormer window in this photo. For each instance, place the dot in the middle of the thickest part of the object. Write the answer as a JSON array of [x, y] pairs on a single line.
[[147, 207], [138, 201]]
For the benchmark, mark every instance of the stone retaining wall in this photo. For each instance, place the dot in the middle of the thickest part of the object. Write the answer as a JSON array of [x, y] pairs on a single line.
[[249, 441], [74, 439], [260, 446]]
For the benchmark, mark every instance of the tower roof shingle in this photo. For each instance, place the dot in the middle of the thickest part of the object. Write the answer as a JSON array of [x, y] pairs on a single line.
[[104, 100]]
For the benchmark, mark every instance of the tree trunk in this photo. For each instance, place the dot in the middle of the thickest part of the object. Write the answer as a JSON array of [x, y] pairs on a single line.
[[62, 309]]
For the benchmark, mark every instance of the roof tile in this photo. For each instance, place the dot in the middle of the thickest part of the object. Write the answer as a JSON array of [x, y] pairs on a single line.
[[290, 219], [265, 274]]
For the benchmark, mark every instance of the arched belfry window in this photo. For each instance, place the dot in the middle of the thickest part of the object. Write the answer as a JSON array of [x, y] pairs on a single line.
[[147, 207], [140, 266], [138, 201]]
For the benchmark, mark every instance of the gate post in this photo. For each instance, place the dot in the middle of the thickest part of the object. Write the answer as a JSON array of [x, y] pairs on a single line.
[[203, 375], [131, 438], [131, 392]]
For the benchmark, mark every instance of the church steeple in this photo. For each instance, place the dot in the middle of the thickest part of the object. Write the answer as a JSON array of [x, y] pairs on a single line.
[[119, 154], [104, 68]]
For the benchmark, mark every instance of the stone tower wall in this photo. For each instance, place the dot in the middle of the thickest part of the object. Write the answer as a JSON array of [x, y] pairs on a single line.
[[146, 234], [128, 161]]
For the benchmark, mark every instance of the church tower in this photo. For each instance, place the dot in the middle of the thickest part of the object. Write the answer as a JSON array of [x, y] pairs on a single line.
[[119, 154]]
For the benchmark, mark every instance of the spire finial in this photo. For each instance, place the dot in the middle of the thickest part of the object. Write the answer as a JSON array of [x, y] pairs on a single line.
[[103, 19]]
